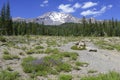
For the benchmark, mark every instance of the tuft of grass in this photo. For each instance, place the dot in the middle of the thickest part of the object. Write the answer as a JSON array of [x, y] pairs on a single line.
[[64, 67], [3, 39], [76, 48], [6, 52], [81, 64], [71, 55], [31, 51], [92, 71], [47, 65], [6, 75], [9, 68], [54, 51], [39, 47], [110, 76], [10, 57], [65, 77]]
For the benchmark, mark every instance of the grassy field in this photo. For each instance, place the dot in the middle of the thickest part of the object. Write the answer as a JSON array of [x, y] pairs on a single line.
[[41, 57]]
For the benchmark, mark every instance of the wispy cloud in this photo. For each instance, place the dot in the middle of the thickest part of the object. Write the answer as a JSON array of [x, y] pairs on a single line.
[[70, 0], [76, 5], [44, 3], [95, 12], [68, 8], [88, 5]]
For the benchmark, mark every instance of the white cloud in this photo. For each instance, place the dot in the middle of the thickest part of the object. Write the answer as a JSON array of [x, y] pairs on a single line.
[[76, 5], [44, 3], [110, 6], [94, 12], [70, 0], [68, 8], [89, 4]]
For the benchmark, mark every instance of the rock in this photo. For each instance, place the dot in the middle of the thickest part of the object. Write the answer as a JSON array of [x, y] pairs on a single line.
[[80, 44], [93, 50]]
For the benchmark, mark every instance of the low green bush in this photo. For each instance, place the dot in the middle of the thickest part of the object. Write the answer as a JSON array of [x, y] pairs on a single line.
[[53, 51], [46, 65], [76, 48], [110, 76], [71, 55], [6, 52], [3, 39], [10, 57], [39, 47], [64, 67], [7, 75], [65, 77], [81, 63]]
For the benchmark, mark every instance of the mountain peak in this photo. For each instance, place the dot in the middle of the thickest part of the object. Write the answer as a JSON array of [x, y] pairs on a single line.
[[56, 18], [52, 18]]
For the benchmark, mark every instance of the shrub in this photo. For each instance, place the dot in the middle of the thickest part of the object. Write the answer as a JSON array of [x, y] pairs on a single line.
[[46, 65], [6, 75], [10, 57], [92, 71], [6, 52], [76, 48], [110, 76], [65, 77], [39, 47], [81, 63], [41, 66], [54, 51], [64, 67], [3, 39], [31, 51], [72, 55]]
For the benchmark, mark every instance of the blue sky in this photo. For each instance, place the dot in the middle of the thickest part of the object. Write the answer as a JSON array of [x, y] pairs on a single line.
[[100, 9]]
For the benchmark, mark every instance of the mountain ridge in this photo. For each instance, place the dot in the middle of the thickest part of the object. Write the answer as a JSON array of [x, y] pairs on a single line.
[[52, 18]]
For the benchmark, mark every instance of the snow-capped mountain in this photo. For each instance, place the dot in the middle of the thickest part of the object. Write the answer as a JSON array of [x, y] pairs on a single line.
[[56, 18], [53, 18], [19, 19]]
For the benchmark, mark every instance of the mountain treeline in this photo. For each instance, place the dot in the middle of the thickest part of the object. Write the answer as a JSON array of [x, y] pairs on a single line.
[[6, 20], [85, 28]]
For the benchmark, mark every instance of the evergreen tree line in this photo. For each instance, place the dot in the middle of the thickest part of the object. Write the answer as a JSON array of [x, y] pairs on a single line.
[[86, 28], [5, 20]]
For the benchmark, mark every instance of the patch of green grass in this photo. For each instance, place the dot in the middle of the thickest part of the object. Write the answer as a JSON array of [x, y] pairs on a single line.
[[6, 75], [81, 63], [71, 55], [10, 57], [9, 68], [6, 52], [76, 48], [52, 64], [77, 68], [92, 71], [64, 67], [65, 77], [104, 45], [31, 51], [26, 63], [39, 47], [3, 39], [51, 42], [110, 76], [54, 51]]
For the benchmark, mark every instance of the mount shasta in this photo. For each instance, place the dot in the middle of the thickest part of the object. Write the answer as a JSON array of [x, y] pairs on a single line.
[[52, 18]]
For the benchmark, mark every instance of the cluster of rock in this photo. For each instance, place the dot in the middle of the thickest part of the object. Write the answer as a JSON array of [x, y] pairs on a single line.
[[82, 45]]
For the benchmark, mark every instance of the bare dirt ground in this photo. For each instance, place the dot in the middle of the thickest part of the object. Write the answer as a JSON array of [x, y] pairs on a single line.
[[102, 61]]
